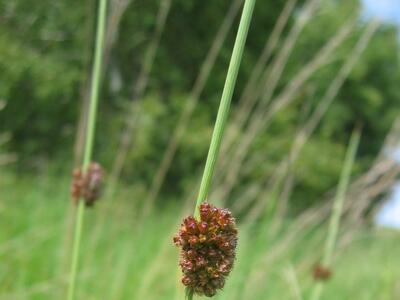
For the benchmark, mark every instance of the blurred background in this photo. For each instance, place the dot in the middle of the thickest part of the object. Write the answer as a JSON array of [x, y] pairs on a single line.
[[313, 71]]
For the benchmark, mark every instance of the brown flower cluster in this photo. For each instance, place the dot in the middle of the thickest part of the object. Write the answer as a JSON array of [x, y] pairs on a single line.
[[321, 273], [87, 186], [207, 249]]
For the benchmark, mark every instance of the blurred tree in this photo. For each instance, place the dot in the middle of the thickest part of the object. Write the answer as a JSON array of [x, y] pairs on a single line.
[[45, 49], [43, 53]]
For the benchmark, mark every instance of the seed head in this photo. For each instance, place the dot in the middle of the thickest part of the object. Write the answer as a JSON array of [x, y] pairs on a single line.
[[321, 273], [87, 186], [207, 249]]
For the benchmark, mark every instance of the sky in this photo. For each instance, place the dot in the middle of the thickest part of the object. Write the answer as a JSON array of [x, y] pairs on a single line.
[[389, 216], [387, 10]]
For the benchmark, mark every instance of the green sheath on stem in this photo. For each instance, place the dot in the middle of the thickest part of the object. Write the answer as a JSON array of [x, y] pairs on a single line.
[[225, 103], [188, 294], [96, 72]]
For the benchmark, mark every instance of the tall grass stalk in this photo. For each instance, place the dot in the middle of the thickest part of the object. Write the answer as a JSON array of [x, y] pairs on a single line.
[[140, 86], [225, 183], [191, 103], [199, 85], [226, 98], [248, 96], [90, 130], [80, 135], [117, 9], [223, 110], [260, 83], [337, 209], [251, 92], [264, 91]]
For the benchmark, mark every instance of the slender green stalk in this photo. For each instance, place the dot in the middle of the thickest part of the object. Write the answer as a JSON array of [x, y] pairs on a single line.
[[337, 208], [192, 101], [96, 74], [225, 102], [223, 110], [188, 294]]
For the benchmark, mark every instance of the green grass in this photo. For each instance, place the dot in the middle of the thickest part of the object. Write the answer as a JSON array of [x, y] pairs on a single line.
[[135, 260]]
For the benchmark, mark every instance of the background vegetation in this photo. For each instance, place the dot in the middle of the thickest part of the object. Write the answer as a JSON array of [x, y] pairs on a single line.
[[45, 59]]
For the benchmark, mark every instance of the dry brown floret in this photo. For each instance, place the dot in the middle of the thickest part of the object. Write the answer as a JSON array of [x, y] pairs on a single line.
[[88, 186]]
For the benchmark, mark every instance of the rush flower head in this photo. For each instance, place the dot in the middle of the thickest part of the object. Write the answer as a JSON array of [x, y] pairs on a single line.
[[87, 186], [321, 273], [207, 249]]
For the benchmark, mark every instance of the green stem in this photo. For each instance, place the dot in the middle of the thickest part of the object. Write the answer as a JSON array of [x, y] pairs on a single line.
[[340, 197], [75, 250], [95, 86], [338, 208], [225, 102], [189, 294], [96, 73]]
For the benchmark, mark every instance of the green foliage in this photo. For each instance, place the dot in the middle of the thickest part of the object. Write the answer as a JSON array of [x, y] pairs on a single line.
[[133, 261], [42, 59], [45, 50]]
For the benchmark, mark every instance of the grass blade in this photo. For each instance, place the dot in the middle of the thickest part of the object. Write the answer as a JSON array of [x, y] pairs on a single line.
[[96, 74], [225, 102], [338, 208]]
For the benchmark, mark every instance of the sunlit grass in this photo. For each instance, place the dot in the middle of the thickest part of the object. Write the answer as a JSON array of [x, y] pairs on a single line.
[[130, 266]]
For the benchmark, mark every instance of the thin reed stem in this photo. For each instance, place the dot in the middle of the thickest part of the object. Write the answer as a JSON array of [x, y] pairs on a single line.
[[225, 102], [189, 294], [139, 88], [338, 208], [248, 97], [191, 103], [264, 93], [90, 130]]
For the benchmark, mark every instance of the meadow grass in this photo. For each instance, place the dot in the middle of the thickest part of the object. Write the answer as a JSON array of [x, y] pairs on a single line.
[[144, 263], [337, 209]]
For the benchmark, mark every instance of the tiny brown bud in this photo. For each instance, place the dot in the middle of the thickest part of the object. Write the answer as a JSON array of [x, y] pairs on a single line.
[[203, 227], [193, 240], [321, 273], [88, 186]]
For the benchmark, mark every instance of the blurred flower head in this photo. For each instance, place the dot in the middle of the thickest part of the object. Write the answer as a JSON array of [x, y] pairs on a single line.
[[321, 273], [88, 186]]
